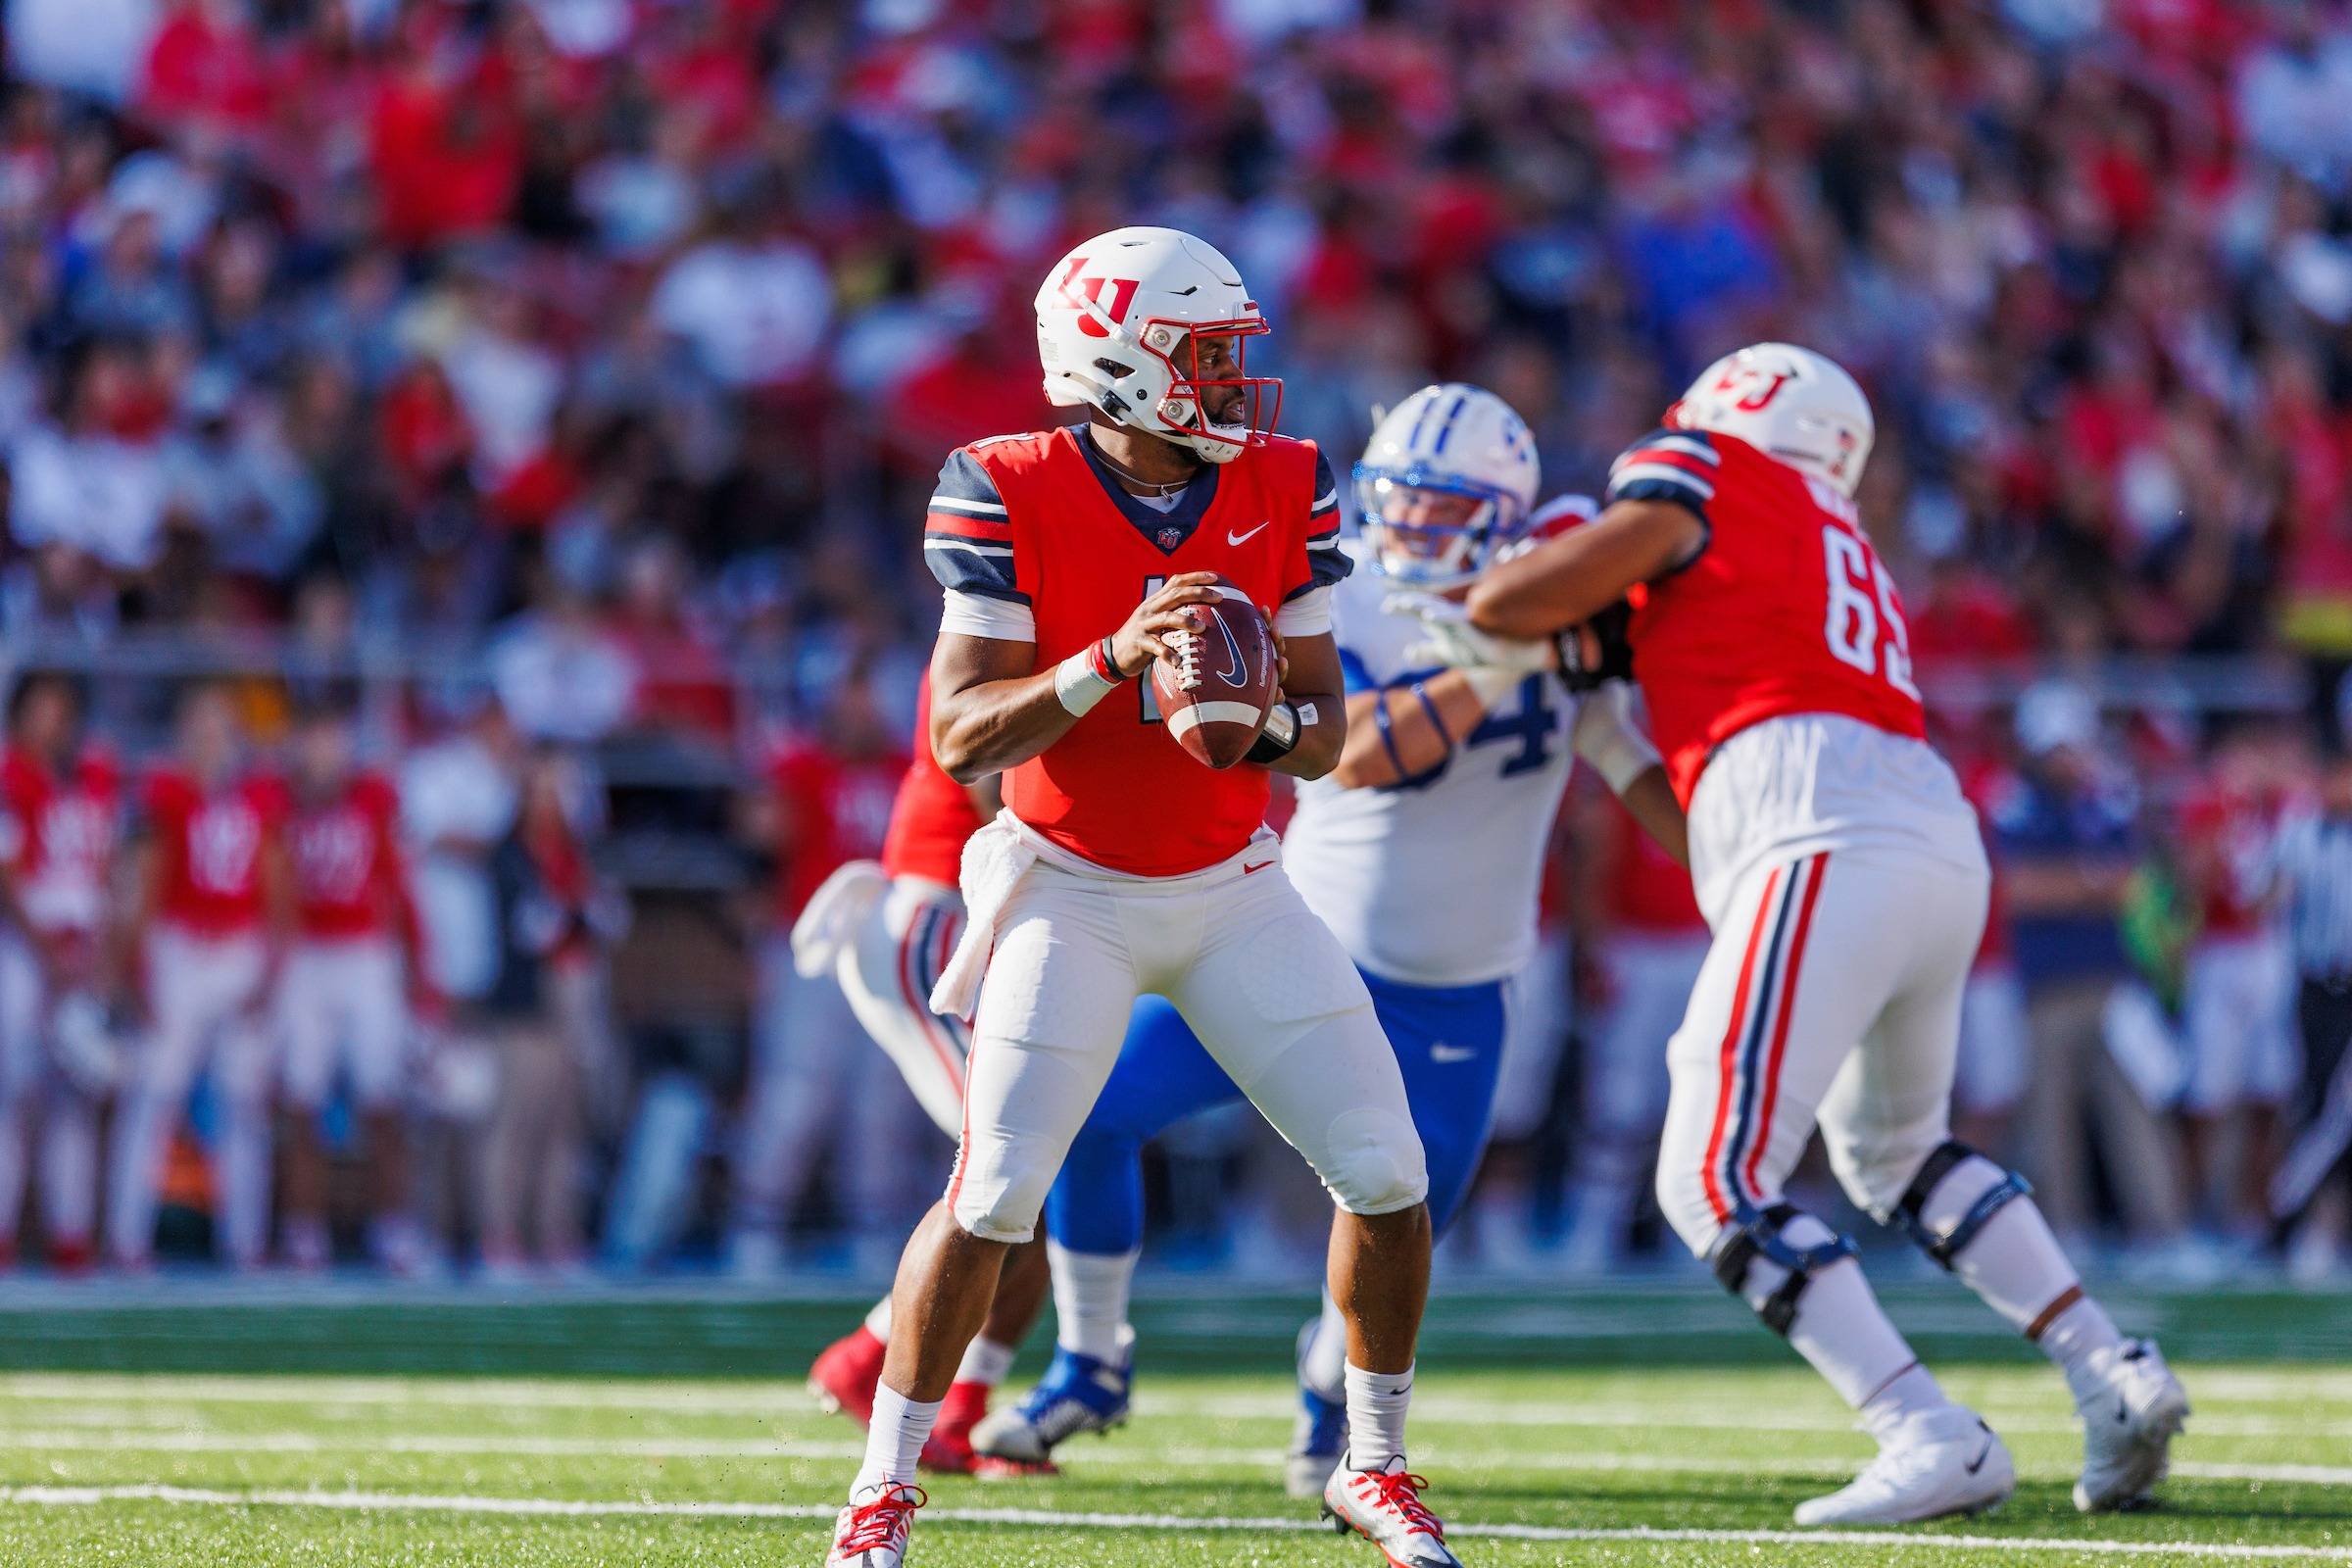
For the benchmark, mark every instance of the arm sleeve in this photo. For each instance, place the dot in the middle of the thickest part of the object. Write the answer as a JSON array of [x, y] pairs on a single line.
[[967, 538], [972, 614], [1326, 561], [1676, 465], [1306, 615]]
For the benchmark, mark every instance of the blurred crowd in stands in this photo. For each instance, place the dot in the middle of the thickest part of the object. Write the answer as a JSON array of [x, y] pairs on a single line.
[[519, 414]]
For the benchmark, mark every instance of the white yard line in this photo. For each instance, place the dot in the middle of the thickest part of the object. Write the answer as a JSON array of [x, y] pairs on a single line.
[[386, 1503]]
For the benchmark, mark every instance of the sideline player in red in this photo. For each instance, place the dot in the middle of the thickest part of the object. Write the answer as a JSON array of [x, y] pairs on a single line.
[[61, 810], [884, 929], [211, 920], [343, 1001], [1844, 877], [1119, 865], [825, 802]]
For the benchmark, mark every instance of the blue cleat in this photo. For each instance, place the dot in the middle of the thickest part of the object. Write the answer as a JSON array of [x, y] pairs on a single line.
[[1318, 1442], [1078, 1394]]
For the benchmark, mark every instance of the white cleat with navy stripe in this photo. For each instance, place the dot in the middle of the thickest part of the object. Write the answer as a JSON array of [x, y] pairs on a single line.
[[1937, 1463]]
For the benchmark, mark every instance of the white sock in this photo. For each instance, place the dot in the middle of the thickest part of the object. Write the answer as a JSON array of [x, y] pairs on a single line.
[[2015, 1265], [1839, 1326], [1376, 1406], [2075, 1339], [1323, 1362], [877, 1320], [892, 1443], [1090, 1298], [985, 1361], [1911, 1392]]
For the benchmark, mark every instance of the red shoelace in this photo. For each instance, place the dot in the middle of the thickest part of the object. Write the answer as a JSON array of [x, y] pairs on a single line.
[[1402, 1494], [878, 1524]]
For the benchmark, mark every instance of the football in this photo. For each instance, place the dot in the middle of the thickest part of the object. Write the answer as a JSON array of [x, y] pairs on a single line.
[[1220, 680]]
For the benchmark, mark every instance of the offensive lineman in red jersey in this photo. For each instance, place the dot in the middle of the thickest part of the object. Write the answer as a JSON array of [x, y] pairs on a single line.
[[60, 809], [1121, 867], [343, 1001], [1844, 880], [211, 915], [884, 929]]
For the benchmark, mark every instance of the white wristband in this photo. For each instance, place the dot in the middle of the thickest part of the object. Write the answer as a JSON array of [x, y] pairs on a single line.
[[1078, 686], [1491, 684], [1610, 735]]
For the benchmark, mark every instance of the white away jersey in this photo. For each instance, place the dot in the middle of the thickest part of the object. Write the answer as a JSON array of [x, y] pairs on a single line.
[[1432, 882]]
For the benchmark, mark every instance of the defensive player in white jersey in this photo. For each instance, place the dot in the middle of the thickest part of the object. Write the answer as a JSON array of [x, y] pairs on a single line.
[[1844, 880], [1422, 852]]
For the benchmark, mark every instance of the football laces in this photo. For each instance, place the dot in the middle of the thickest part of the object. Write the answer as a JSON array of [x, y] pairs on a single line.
[[1185, 645]]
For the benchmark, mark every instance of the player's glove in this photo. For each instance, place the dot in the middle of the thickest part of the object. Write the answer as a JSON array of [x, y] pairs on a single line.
[[1598, 651], [1457, 645]]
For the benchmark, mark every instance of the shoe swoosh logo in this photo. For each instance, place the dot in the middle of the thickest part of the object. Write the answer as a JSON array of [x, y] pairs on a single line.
[[1441, 1051], [1983, 1454], [2122, 1413], [1233, 538], [1248, 870]]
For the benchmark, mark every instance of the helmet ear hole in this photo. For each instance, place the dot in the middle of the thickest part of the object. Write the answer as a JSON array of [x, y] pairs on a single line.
[[1114, 370]]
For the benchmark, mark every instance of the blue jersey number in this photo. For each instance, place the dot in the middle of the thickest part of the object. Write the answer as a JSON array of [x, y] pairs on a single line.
[[1532, 725]]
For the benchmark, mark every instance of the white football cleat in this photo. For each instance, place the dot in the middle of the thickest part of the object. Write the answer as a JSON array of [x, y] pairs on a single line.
[[1384, 1506], [1942, 1462], [873, 1533], [2127, 1428]]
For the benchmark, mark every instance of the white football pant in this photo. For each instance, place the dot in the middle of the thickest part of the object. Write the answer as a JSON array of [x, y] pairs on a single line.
[[1260, 980], [343, 1003], [887, 970], [2238, 999], [202, 991], [38, 1105], [1846, 885]]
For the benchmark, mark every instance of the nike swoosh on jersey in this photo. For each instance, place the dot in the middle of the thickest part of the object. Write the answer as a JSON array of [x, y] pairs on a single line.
[[1441, 1051], [1233, 538]]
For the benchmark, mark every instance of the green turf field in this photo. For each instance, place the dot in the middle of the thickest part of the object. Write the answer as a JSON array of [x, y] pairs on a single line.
[[197, 1426], [184, 1469]]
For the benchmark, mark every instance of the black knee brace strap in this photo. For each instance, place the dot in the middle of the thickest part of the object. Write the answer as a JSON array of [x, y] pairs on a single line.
[[1947, 1246], [1756, 1234]]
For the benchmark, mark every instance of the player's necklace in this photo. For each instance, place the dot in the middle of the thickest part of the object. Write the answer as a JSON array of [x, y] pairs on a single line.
[[1160, 491]]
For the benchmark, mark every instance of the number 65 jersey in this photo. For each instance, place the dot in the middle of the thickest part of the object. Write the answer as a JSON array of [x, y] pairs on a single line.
[[1777, 667], [1432, 881]]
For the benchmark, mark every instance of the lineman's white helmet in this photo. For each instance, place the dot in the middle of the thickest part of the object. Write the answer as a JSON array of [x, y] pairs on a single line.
[[1112, 320], [1790, 402], [1445, 484]]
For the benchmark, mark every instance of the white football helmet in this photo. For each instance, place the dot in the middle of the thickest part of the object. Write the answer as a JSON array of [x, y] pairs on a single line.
[[1111, 318], [1446, 484], [1790, 403]]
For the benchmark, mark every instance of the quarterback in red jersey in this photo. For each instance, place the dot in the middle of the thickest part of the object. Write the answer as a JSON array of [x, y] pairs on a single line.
[[213, 913], [1842, 877], [1120, 865], [61, 807], [343, 1001]]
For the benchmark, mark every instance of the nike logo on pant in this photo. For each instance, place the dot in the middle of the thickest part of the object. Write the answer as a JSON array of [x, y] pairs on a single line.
[[1445, 1052], [1260, 866]]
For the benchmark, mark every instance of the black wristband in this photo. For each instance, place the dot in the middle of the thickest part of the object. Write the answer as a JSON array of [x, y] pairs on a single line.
[[1268, 748]]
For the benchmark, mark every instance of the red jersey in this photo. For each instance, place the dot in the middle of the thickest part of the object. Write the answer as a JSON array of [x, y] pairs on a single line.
[[932, 815], [209, 848], [1649, 892], [837, 811], [1035, 520], [58, 836], [347, 872], [1786, 610], [2222, 825]]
